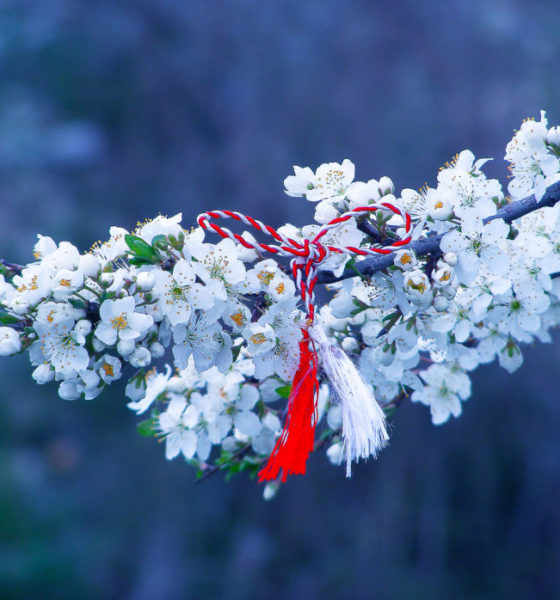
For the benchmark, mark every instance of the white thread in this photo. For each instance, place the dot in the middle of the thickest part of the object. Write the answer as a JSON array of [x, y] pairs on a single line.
[[363, 421]]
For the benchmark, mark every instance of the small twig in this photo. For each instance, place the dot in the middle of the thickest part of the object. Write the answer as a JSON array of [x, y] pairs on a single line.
[[319, 444], [395, 402], [259, 307], [369, 229], [215, 468], [391, 321], [13, 268]]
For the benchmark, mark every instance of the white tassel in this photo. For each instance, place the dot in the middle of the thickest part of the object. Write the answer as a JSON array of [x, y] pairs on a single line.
[[363, 421]]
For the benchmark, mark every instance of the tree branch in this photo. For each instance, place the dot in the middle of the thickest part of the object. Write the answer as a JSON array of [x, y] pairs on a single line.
[[508, 213], [12, 268]]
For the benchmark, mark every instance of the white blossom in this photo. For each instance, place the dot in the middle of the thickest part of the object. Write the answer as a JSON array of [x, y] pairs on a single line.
[[9, 341], [175, 424], [167, 226], [109, 368], [475, 243], [201, 338], [120, 321], [533, 168], [179, 293], [233, 321], [155, 384], [63, 347], [329, 182], [443, 392]]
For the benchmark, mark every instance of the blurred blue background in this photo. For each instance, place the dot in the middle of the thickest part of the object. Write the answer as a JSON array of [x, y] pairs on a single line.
[[113, 111]]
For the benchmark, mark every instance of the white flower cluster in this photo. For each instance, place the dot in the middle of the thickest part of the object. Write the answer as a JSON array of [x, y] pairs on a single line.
[[533, 154], [230, 319]]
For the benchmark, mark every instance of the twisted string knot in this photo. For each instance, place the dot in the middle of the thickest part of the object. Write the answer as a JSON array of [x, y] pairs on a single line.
[[307, 255], [296, 441], [314, 251]]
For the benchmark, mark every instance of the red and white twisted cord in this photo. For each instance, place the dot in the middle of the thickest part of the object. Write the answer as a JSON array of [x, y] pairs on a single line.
[[307, 254], [363, 421]]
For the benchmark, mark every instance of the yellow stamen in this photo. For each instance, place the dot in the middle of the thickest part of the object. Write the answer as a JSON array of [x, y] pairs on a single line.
[[120, 322], [108, 370], [258, 338], [238, 318], [265, 276]]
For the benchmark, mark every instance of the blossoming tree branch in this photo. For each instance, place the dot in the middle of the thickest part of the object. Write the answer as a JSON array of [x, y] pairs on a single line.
[[421, 287]]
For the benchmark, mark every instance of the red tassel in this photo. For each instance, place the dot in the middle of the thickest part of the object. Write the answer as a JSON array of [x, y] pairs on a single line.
[[296, 442]]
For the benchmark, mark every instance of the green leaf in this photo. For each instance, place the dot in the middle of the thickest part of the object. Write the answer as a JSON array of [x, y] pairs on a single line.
[[138, 262], [139, 247], [360, 306], [146, 428], [129, 239], [177, 242], [7, 319], [77, 303], [284, 391], [160, 242]]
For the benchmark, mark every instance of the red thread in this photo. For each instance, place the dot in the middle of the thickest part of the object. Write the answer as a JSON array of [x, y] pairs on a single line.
[[294, 445], [296, 442]]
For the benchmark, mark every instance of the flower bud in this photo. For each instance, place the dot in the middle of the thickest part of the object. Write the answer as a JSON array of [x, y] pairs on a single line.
[[88, 265], [157, 350], [386, 186], [272, 422], [9, 341], [83, 327], [270, 490], [43, 374], [141, 357], [553, 137], [135, 392], [325, 212], [145, 281], [68, 390], [334, 417], [384, 354], [19, 305], [97, 344], [125, 347], [349, 345], [450, 258], [441, 303], [334, 453], [107, 279], [449, 292]]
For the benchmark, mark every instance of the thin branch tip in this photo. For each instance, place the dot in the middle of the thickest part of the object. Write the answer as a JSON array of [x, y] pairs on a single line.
[[421, 247]]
